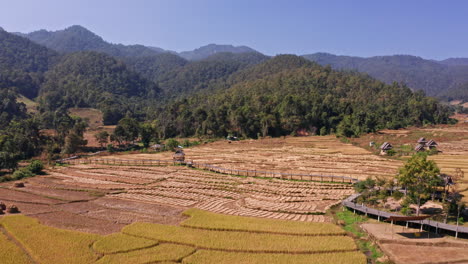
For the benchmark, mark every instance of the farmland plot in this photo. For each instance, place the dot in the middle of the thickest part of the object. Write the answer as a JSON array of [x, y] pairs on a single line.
[[180, 187], [324, 155], [242, 240]]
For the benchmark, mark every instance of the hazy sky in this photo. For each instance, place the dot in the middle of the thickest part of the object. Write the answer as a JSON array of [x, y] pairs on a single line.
[[430, 29]]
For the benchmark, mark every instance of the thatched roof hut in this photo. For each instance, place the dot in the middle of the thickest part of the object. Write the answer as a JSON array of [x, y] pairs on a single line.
[[419, 147], [422, 141], [386, 146], [431, 144], [179, 156]]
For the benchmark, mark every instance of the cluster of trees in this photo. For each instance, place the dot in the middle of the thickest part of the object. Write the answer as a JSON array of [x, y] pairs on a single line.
[[127, 131], [418, 181], [21, 137], [19, 134]]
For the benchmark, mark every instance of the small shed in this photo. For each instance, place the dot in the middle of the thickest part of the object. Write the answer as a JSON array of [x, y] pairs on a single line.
[[431, 144], [422, 141], [385, 147], [157, 147], [179, 156], [419, 147]]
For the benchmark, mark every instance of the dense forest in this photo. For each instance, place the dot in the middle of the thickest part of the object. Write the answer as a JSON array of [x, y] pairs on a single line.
[[158, 95], [273, 100]]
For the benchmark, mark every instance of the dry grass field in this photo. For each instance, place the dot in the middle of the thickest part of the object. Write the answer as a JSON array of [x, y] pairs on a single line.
[[310, 155]]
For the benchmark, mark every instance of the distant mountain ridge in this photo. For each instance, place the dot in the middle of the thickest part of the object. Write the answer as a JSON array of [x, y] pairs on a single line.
[[211, 49], [446, 79], [436, 78], [77, 38]]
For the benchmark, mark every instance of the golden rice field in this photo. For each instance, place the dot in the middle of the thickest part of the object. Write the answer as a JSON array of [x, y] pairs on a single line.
[[25, 240]]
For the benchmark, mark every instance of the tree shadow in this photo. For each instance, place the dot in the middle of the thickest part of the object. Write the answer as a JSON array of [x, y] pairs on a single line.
[[420, 235]]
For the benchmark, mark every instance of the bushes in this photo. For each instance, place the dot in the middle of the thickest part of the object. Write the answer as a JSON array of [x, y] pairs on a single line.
[[172, 144], [21, 173], [34, 168]]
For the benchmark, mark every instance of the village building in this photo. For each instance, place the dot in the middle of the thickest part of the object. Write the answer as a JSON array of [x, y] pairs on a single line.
[[424, 145], [422, 141], [385, 147], [420, 147], [179, 156], [431, 144]]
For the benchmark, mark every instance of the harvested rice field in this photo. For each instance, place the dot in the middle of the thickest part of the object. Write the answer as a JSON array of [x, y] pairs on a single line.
[[26, 240], [112, 196], [324, 155]]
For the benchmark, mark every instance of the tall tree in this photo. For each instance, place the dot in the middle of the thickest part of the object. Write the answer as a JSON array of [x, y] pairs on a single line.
[[419, 176]]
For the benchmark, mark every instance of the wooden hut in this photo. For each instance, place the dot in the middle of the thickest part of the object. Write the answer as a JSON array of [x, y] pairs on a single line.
[[422, 141], [385, 147], [431, 144], [158, 147], [179, 156], [419, 148]]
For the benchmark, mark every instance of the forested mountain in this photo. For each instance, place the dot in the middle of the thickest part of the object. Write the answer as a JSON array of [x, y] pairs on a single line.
[[276, 99], [78, 38], [18, 53], [91, 79], [179, 77], [22, 63], [157, 67], [211, 49], [433, 77]]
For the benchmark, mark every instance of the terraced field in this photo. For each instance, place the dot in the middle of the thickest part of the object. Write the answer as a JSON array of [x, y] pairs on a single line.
[[181, 187], [324, 155], [241, 240]]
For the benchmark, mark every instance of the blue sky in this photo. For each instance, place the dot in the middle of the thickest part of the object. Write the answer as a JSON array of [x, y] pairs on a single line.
[[430, 29]]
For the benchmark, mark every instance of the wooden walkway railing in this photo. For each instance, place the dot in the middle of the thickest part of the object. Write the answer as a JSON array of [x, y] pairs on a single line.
[[350, 203], [209, 167]]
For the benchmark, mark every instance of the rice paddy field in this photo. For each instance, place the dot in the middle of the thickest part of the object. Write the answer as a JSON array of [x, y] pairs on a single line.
[[122, 194], [325, 155], [26, 240]]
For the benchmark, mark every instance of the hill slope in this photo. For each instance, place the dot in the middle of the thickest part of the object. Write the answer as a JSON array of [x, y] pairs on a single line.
[[22, 63], [287, 94], [90, 79], [435, 78]]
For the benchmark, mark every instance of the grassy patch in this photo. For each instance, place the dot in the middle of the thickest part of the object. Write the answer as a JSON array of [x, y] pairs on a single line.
[[230, 240], [10, 253], [351, 225], [118, 242], [50, 245], [205, 256], [163, 252], [203, 219]]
